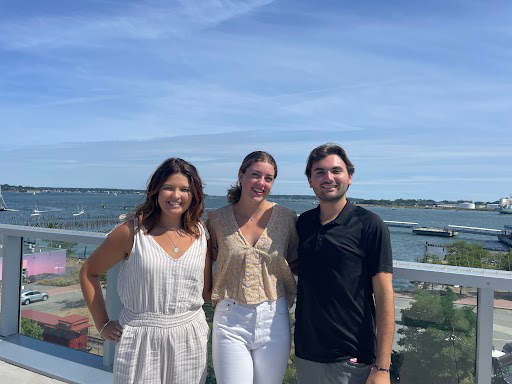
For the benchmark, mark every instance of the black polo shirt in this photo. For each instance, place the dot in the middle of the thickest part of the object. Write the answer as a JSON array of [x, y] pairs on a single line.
[[335, 313]]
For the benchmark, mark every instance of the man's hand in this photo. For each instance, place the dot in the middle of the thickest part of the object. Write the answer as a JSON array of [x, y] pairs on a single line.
[[378, 377]]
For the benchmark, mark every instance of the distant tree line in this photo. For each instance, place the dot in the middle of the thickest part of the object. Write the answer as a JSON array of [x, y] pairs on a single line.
[[356, 200], [26, 189]]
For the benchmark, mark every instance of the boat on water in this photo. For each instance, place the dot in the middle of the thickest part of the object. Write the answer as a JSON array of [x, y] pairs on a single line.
[[430, 231], [3, 206], [506, 209], [80, 211], [37, 212]]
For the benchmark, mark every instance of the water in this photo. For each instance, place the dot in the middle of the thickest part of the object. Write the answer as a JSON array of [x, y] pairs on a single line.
[[102, 212]]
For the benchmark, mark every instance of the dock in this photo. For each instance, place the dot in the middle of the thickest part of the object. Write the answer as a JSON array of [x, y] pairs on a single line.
[[506, 236], [443, 232], [403, 224], [452, 230], [476, 230]]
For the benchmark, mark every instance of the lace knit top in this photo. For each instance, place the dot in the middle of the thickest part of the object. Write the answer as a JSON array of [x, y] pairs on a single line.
[[252, 275]]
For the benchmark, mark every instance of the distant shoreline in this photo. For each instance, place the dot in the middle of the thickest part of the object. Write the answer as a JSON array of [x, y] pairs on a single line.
[[384, 203]]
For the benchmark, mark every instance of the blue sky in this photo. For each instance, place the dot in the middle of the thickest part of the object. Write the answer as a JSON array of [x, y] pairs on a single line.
[[98, 93]]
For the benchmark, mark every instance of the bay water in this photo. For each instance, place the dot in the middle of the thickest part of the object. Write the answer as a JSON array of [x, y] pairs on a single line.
[[102, 211]]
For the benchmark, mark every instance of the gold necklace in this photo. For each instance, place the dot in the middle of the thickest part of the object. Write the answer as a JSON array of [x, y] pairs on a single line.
[[175, 249]]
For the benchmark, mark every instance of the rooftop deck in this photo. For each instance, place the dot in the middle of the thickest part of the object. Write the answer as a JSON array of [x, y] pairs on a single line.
[[10, 373]]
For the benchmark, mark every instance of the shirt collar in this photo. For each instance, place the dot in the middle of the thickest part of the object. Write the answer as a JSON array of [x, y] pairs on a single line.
[[343, 217]]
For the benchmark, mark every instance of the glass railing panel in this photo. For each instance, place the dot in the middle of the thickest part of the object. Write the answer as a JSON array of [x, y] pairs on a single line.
[[52, 306], [1, 268], [435, 339], [502, 338]]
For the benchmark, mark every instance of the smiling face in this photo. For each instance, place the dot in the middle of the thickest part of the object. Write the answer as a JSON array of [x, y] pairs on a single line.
[[257, 181], [174, 197], [330, 179]]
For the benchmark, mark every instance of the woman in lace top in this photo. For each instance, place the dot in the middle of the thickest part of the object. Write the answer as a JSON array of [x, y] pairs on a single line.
[[253, 242]]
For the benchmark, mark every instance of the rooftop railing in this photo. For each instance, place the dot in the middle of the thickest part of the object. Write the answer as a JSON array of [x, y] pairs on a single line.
[[76, 366]]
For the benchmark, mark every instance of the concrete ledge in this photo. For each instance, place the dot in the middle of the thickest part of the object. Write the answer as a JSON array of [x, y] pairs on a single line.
[[54, 360]]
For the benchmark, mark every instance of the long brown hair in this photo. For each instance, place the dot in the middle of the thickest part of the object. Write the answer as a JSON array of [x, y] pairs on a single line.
[[235, 191], [148, 213]]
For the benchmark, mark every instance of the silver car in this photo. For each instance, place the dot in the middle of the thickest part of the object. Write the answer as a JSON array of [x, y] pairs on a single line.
[[29, 296]]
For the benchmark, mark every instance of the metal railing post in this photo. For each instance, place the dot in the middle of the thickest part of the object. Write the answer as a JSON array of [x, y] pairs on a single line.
[[484, 337], [11, 285]]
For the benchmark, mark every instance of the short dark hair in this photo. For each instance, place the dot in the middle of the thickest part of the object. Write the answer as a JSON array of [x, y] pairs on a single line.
[[148, 213], [324, 150], [235, 191]]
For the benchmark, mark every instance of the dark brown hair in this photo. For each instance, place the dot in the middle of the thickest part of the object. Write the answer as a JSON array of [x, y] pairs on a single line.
[[148, 213], [325, 150], [235, 191]]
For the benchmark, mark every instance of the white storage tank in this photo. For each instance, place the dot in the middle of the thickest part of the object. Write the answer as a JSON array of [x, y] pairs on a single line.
[[493, 206], [467, 205]]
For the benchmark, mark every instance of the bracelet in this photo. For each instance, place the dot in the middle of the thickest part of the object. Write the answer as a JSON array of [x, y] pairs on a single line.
[[380, 369], [104, 326]]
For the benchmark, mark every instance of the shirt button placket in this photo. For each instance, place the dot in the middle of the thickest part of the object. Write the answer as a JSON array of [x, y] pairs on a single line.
[[319, 239]]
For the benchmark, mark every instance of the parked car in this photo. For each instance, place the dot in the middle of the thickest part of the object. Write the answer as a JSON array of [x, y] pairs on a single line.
[[29, 296]]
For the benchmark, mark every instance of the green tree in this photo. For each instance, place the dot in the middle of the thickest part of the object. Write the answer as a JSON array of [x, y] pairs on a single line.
[[438, 340], [505, 261], [103, 279], [31, 328], [430, 258], [464, 254]]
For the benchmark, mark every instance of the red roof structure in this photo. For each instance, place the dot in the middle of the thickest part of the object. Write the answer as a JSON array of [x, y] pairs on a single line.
[[71, 331], [74, 323]]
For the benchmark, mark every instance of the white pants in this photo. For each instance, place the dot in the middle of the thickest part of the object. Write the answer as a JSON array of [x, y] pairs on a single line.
[[251, 343]]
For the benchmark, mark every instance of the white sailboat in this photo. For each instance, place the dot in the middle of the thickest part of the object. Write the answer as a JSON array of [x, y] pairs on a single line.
[[80, 211], [3, 206], [37, 212]]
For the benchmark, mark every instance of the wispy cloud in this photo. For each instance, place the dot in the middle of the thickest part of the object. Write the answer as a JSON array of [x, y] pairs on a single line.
[[129, 21], [417, 92]]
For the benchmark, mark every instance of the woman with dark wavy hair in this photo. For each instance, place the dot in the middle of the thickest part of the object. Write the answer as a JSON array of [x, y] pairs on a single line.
[[253, 240], [165, 277]]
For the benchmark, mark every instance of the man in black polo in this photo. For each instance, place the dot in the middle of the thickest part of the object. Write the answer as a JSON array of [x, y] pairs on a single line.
[[345, 312]]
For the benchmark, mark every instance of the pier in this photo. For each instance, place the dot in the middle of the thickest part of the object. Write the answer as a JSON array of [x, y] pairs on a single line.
[[403, 224], [434, 232], [451, 230], [476, 230]]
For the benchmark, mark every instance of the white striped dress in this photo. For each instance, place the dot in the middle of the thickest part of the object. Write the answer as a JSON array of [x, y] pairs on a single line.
[[165, 333]]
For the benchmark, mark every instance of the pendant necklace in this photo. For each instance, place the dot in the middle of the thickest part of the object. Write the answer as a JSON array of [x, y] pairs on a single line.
[[175, 249]]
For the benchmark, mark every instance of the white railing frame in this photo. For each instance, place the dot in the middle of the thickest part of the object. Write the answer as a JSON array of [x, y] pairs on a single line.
[[11, 276], [486, 281]]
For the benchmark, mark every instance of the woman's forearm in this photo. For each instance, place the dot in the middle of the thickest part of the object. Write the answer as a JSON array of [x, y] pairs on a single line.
[[93, 295]]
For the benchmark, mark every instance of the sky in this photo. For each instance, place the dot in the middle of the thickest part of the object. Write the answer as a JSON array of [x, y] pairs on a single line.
[[97, 93]]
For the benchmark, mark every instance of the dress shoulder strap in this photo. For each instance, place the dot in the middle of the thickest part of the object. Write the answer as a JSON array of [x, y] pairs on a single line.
[[203, 229]]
